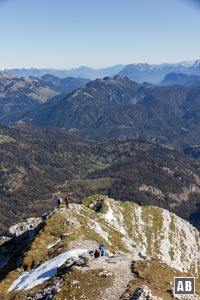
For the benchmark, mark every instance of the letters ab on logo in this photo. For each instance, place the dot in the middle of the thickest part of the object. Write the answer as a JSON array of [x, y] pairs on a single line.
[[184, 285]]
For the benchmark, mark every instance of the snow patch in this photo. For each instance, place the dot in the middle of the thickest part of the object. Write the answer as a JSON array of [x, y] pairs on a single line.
[[109, 215], [165, 244], [51, 245], [44, 272], [115, 218], [98, 229], [139, 229]]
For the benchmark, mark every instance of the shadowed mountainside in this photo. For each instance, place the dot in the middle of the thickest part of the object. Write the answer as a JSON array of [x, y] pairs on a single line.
[[120, 108], [17, 95], [63, 85], [180, 79]]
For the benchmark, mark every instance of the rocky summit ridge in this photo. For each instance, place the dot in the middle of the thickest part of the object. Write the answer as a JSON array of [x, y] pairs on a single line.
[[146, 247]]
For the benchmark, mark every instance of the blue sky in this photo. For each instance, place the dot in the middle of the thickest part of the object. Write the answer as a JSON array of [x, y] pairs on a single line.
[[97, 33]]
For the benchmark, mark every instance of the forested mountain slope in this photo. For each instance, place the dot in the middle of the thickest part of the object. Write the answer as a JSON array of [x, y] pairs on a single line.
[[36, 162]]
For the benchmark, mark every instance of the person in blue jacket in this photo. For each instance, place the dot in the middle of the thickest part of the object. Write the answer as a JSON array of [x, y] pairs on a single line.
[[103, 251], [58, 201]]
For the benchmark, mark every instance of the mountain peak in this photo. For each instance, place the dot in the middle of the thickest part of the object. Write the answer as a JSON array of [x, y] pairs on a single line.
[[135, 238], [121, 77], [49, 76], [196, 64], [6, 75]]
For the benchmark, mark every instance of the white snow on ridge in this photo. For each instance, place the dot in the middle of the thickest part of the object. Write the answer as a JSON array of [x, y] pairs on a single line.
[[115, 219], [96, 226], [51, 245], [109, 215], [44, 272]]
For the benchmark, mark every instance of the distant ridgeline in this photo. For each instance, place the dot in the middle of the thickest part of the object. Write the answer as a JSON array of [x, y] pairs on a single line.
[[139, 72]]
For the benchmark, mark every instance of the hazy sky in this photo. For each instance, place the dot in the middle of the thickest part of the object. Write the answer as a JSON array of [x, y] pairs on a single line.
[[97, 33]]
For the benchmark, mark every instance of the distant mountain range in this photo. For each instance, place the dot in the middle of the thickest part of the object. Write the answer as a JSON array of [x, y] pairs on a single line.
[[156, 73], [108, 108], [19, 94], [119, 108], [81, 72], [141, 72], [104, 109]]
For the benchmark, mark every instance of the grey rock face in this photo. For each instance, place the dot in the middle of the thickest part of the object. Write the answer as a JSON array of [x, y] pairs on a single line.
[[143, 293], [29, 226]]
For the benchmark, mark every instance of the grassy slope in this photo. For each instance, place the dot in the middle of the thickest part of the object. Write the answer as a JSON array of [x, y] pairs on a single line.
[[74, 226]]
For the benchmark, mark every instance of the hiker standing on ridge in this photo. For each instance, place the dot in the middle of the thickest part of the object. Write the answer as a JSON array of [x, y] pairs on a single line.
[[58, 200], [67, 199]]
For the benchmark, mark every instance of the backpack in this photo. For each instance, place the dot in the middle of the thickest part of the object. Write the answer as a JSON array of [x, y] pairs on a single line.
[[97, 253], [57, 198]]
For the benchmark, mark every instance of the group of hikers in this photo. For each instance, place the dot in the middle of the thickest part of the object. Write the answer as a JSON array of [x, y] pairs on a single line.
[[98, 252], [58, 200]]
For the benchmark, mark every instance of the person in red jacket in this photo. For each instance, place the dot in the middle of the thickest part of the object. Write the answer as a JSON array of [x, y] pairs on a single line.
[[67, 199]]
